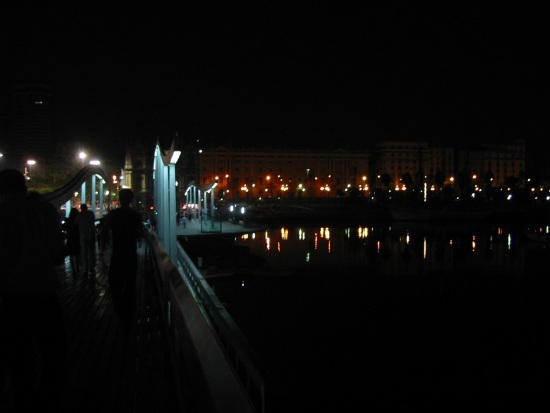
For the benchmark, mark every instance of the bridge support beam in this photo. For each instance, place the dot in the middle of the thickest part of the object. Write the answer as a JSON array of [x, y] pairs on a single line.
[[92, 195], [83, 193], [165, 198]]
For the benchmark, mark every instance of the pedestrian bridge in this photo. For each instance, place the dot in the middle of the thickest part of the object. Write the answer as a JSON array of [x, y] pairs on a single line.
[[64, 194], [186, 353]]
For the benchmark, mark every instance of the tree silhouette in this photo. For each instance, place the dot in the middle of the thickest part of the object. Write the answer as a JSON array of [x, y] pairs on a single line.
[[386, 180], [407, 180]]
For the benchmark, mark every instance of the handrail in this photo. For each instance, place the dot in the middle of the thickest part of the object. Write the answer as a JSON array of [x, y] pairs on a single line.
[[241, 355], [210, 353]]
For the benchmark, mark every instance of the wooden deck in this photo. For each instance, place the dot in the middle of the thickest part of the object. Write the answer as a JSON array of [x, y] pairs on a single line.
[[105, 373]]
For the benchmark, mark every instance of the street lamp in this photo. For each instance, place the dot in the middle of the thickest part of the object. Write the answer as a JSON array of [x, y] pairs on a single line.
[[82, 156], [30, 162]]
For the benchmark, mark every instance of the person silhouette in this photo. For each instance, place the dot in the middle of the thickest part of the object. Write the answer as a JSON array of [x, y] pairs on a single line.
[[72, 244], [87, 231], [32, 330], [124, 229]]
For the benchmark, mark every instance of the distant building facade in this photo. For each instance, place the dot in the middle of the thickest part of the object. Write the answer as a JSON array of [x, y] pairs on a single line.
[[426, 163], [137, 174], [253, 173]]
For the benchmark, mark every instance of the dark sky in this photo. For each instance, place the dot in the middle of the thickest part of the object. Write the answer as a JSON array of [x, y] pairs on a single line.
[[260, 72]]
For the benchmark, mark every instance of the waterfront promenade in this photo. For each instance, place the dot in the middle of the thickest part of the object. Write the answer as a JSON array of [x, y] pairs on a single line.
[[193, 228]]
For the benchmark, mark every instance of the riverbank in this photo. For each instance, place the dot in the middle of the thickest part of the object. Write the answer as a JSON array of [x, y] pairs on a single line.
[[321, 211], [338, 211]]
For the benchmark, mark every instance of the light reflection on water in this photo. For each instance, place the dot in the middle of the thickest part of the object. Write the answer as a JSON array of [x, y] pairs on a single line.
[[393, 316], [389, 250]]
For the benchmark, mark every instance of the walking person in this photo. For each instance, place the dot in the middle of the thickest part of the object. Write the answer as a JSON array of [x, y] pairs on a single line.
[[72, 243], [87, 231], [32, 330], [125, 226]]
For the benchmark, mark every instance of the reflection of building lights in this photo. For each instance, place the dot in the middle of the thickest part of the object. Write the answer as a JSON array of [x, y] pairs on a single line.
[[284, 233], [325, 233], [425, 248], [362, 232]]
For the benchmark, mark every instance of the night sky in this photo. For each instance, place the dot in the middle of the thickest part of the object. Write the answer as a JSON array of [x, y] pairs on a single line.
[[294, 74]]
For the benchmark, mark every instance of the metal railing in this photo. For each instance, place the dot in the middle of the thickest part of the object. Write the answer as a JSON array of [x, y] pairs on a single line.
[[211, 355]]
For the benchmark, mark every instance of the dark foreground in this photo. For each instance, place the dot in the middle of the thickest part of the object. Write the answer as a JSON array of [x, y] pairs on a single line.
[[108, 372]]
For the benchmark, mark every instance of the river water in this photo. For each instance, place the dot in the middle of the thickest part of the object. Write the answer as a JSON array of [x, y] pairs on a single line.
[[409, 316]]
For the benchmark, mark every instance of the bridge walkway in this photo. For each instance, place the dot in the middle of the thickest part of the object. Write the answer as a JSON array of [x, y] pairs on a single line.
[[105, 373]]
